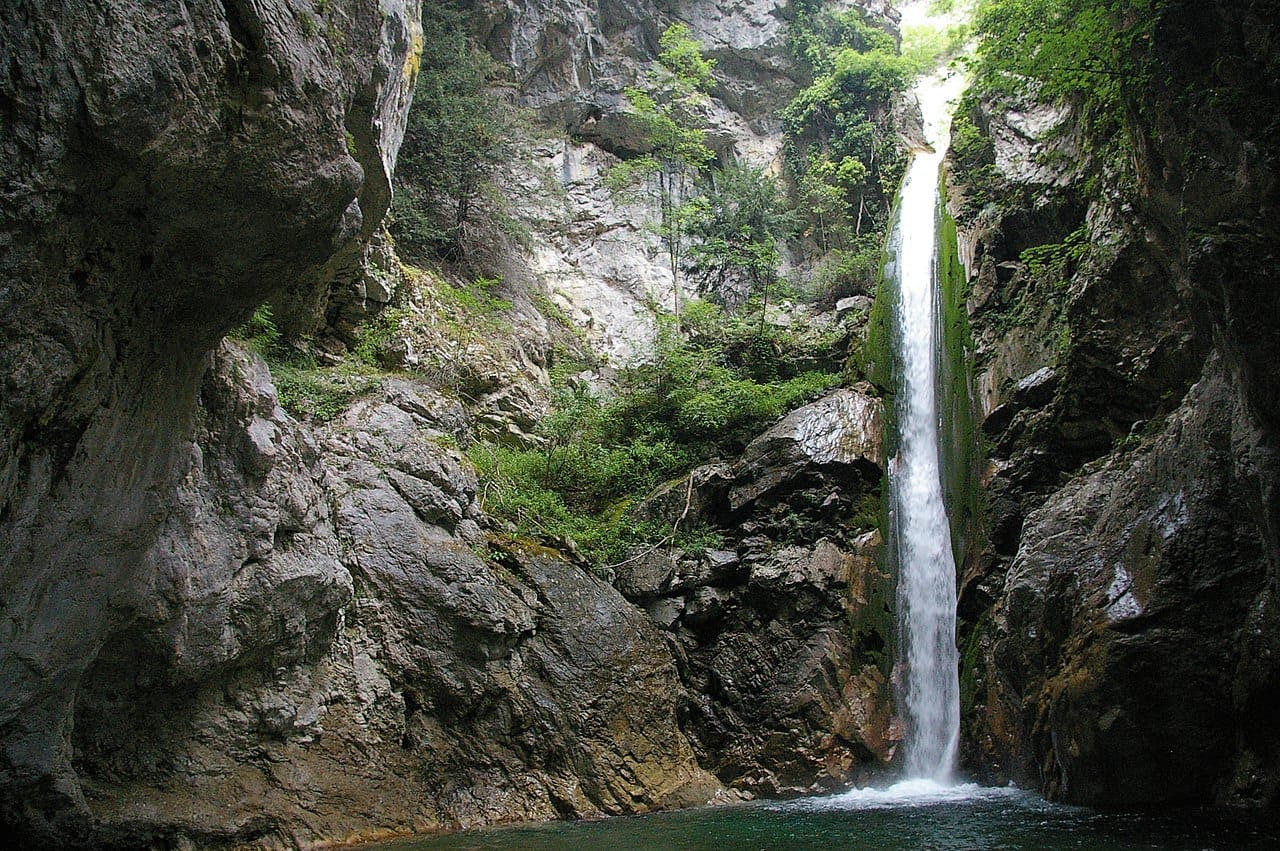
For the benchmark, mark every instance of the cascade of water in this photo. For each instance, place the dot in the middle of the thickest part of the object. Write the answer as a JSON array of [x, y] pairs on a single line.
[[930, 690]]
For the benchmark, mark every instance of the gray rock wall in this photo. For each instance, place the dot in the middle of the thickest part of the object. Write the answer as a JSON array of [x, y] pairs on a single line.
[[1120, 626], [224, 627], [166, 167], [364, 661]]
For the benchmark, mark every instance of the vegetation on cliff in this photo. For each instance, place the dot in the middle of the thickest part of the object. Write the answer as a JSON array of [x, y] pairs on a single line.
[[1086, 51], [704, 395], [721, 371], [667, 109], [457, 133], [842, 155]]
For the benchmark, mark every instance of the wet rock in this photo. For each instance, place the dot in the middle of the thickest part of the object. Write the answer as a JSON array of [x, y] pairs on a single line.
[[1125, 603], [855, 304], [1037, 388], [1115, 636], [783, 697]]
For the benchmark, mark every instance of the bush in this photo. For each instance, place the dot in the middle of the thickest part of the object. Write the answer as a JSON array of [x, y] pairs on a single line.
[[260, 332], [320, 393], [374, 337], [848, 272]]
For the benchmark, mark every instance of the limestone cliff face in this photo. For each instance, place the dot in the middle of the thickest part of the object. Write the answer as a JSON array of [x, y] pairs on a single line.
[[596, 254], [223, 626], [166, 167], [1121, 624]]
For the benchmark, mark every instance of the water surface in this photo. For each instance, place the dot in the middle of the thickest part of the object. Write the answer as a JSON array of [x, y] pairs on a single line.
[[911, 815]]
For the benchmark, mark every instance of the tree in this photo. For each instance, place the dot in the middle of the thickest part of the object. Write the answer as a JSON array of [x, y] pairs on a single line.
[[736, 226], [844, 168], [453, 138], [667, 111]]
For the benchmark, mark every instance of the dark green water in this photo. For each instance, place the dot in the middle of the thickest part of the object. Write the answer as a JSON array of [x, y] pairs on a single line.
[[960, 818]]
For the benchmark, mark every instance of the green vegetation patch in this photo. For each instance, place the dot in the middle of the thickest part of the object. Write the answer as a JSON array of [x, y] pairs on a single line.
[[704, 395], [844, 163], [458, 131]]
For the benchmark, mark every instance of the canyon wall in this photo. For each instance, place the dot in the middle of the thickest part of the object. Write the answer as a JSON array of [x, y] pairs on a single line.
[[223, 626], [1120, 624]]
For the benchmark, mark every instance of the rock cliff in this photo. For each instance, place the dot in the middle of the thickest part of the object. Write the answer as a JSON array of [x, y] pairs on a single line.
[[1120, 623], [223, 626], [167, 166]]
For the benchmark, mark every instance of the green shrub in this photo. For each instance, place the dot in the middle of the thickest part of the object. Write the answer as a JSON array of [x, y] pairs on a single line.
[[736, 225], [456, 135], [374, 336], [849, 271], [702, 396], [844, 166], [320, 393], [260, 332]]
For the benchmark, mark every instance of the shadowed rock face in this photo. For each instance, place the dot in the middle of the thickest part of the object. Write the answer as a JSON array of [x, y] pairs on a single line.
[[166, 167], [330, 648], [1123, 621], [1128, 608]]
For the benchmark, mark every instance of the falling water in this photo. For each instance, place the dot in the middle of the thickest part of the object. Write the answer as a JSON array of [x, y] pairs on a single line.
[[930, 688]]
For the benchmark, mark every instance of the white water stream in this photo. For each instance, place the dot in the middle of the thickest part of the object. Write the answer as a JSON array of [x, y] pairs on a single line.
[[930, 689]]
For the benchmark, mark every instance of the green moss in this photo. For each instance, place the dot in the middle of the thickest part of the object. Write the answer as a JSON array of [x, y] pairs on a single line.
[[971, 662], [872, 621], [879, 358], [974, 156], [962, 448], [310, 28], [867, 511]]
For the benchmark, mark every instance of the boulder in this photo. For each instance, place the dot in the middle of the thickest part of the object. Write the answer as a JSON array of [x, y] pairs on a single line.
[[843, 429]]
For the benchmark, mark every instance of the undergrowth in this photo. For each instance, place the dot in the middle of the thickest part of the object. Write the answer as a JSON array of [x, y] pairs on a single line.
[[702, 396]]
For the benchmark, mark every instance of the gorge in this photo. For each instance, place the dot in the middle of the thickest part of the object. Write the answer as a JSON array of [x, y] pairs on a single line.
[[425, 416]]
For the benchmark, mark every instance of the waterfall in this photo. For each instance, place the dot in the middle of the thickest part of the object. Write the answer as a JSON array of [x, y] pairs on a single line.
[[930, 689]]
